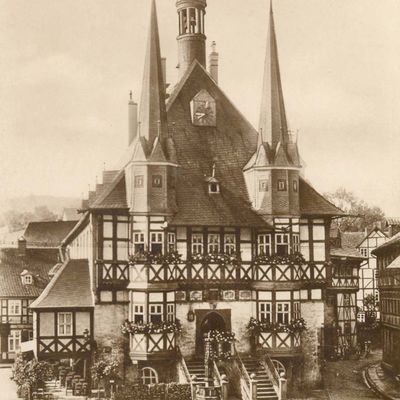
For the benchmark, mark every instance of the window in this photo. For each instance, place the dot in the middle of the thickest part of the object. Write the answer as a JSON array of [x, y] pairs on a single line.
[[213, 187], [213, 243], [139, 181], [14, 307], [296, 243], [295, 186], [138, 240], [296, 310], [138, 313], [282, 185], [149, 376], [283, 312], [171, 242], [28, 280], [364, 252], [264, 244], [156, 313], [14, 341], [282, 244], [171, 312], [197, 243], [229, 243], [263, 185], [156, 243], [157, 181], [64, 324], [265, 312]]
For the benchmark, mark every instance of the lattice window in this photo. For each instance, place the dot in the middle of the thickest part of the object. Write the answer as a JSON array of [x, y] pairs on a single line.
[[213, 243], [149, 376], [265, 312], [14, 307], [264, 244], [156, 242], [64, 324], [197, 243], [171, 242], [282, 244], [171, 312], [156, 313], [138, 242], [138, 313], [230, 243], [14, 341], [283, 312]]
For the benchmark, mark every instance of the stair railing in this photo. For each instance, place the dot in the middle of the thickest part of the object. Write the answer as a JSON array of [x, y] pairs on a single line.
[[221, 382], [247, 384], [278, 382], [189, 380]]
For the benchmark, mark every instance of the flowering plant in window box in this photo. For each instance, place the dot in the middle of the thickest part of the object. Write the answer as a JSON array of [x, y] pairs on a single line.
[[216, 336], [216, 258], [129, 327], [295, 326], [148, 257], [290, 259], [221, 355]]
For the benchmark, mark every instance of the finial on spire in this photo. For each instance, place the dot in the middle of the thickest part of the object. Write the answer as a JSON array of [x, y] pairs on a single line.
[[130, 95], [213, 171], [159, 129], [214, 46]]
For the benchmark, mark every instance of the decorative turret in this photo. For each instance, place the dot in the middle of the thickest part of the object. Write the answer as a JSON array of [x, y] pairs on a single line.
[[151, 169], [272, 173], [191, 39]]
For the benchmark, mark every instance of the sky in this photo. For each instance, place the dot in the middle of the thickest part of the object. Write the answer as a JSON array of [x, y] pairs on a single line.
[[67, 66]]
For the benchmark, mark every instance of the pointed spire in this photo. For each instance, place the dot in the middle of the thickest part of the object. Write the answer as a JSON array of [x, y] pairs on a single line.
[[152, 104], [273, 122]]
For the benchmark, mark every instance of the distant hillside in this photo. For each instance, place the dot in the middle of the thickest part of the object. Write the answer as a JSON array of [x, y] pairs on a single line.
[[29, 203]]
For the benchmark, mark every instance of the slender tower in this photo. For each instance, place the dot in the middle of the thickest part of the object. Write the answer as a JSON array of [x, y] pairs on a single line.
[[191, 38]]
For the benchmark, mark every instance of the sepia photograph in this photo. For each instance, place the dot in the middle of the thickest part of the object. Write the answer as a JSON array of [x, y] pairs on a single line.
[[200, 199]]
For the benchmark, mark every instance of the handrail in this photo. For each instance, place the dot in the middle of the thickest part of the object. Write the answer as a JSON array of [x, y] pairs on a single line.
[[245, 375], [184, 366], [271, 370], [216, 373]]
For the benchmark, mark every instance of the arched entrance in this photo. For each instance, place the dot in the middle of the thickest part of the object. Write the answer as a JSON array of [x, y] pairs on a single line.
[[211, 321]]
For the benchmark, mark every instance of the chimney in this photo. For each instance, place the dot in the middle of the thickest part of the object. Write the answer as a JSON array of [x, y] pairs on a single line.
[[21, 246], [132, 118], [213, 62]]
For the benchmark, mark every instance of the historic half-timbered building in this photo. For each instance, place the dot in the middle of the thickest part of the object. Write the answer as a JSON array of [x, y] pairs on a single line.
[[208, 222], [388, 262]]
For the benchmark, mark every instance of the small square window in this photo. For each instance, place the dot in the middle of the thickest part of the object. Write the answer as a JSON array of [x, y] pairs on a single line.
[[263, 185], [139, 181], [28, 280], [157, 181], [282, 185], [214, 187], [295, 186]]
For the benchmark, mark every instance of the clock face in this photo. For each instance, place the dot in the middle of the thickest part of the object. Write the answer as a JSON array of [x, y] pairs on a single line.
[[203, 109]]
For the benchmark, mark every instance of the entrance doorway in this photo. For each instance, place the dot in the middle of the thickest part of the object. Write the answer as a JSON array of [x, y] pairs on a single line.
[[213, 320]]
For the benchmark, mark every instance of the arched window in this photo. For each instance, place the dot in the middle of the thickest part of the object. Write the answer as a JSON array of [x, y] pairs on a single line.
[[149, 376]]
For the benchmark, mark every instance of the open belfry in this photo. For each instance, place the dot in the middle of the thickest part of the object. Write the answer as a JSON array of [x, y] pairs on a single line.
[[205, 258]]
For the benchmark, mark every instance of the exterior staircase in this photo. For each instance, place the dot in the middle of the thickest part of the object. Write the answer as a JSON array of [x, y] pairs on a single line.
[[265, 389], [59, 393], [196, 367]]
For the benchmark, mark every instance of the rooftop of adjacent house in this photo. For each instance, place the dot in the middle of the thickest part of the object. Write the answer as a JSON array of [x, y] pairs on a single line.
[[348, 244], [70, 287], [393, 241], [10, 239], [13, 265], [47, 234], [392, 221]]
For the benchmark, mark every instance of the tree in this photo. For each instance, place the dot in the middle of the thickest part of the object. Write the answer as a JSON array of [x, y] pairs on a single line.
[[363, 216]]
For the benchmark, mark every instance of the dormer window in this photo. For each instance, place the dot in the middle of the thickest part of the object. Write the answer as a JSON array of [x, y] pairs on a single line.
[[213, 187], [28, 280]]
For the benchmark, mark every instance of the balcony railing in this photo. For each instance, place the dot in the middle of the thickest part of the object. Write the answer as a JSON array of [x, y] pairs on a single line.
[[152, 345], [66, 345], [112, 273], [279, 341], [345, 282]]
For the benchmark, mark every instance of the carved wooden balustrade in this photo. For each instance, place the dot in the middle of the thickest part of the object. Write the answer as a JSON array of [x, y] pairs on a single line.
[[70, 346], [112, 273], [279, 341]]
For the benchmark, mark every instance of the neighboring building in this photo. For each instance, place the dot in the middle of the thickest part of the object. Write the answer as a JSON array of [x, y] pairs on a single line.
[[392, 226], [198, 180], [23, 276], [369, 271], [70, 214], [342, 295], [388, 262]]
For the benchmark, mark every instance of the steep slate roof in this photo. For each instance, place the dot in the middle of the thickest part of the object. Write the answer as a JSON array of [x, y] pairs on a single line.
[[313, 203], [113, 195], [392, 221], [11, 267], [229, 145], [48, 233], [347, 253], [393, 241], [70, 287]]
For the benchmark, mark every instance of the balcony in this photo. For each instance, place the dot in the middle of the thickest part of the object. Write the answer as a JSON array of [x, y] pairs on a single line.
[[152, 346], [345, 282], [68, 346]]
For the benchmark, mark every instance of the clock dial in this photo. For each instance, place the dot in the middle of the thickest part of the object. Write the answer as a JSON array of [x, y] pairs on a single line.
[[203, 109]]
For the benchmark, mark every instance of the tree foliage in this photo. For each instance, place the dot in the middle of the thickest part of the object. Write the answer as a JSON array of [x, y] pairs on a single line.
[[17, 220], [362, 215]]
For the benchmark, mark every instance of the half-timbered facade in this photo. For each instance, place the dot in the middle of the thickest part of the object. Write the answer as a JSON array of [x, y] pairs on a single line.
[[388, 262], [208, 222]]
